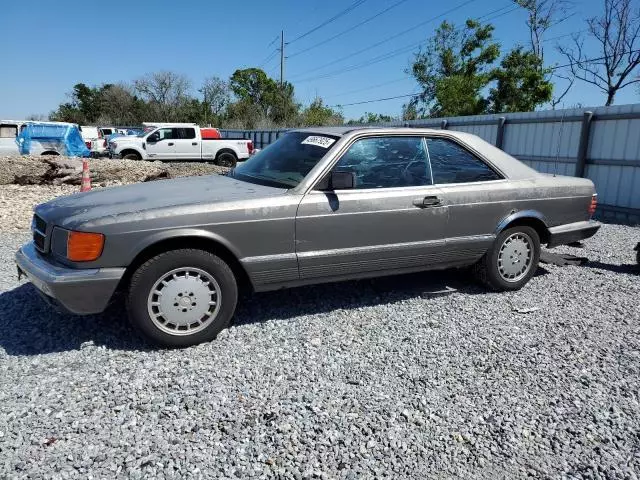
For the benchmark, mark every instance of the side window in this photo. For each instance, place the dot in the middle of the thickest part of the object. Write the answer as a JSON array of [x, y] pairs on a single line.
[[451, 163], [387, 162], [166, 133], [8, 130], [185, 133]]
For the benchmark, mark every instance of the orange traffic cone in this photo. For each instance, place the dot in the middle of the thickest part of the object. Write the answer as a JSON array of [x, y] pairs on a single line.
[[86, 178]]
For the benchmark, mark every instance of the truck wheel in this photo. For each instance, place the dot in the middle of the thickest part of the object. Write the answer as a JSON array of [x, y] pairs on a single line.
[[132, 156], [182, 297], [511, 261], [226, 159]]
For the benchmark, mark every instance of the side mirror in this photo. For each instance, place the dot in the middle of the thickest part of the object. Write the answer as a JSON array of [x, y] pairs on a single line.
[[337, 181], [154, 137]]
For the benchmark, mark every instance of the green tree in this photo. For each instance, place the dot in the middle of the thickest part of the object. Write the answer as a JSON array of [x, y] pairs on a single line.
[[454, 69], [318, 114], [371, 118], [522, 83], [274, 102], [85, 105]]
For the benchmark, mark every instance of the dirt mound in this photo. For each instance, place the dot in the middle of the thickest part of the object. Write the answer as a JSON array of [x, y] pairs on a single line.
[[57, 170]]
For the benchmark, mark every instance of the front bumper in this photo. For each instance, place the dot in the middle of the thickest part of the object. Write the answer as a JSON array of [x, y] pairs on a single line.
[[572, 232], [80, 291]]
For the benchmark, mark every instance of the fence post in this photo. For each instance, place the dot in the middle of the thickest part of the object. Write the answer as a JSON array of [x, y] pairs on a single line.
[[500, 134], [585, 130], [443, 124]]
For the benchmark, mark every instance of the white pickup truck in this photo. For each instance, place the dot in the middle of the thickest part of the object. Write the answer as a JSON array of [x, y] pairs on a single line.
[[180, 141]]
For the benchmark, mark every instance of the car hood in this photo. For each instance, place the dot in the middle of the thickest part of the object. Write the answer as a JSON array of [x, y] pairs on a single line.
[[144, 200]]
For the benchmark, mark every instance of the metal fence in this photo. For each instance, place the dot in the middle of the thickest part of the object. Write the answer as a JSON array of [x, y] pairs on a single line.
[[602, 144]]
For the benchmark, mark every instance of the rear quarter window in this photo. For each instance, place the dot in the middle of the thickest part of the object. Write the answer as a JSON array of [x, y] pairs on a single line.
[[452, 163]]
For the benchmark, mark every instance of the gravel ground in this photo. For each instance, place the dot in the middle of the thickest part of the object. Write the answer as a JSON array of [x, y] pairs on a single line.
[[421, 376], [17, 201]]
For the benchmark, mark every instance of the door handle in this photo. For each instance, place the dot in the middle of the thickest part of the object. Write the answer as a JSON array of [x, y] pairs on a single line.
[[194, 143], [430, 201], [170, 144]]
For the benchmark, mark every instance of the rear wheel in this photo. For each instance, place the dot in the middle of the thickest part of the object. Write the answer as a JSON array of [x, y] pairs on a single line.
[[182, 297], [226, 159], [512, 260]]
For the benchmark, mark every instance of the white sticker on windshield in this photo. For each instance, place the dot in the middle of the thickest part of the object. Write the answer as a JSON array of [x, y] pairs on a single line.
[[324, 142]]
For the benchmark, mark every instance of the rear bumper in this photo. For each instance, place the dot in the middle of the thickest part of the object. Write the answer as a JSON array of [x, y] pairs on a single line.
[[79, 291], [572, 232]]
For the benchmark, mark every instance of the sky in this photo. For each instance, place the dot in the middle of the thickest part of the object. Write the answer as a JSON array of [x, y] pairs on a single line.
[[48, 46]]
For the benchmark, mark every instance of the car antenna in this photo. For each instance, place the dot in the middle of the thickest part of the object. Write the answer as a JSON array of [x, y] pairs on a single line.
[[555, 168]]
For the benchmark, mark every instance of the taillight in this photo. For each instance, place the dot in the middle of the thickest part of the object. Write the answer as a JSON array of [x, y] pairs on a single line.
[[250, 147], [88, 144], [104, 143], [593, 205]]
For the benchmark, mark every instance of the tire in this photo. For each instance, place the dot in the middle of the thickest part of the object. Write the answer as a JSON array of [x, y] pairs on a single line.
[[226, 159], [132, 156], [497, 270], [184, 273]]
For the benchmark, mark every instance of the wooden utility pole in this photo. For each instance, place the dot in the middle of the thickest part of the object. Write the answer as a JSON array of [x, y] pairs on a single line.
[[281, 58]]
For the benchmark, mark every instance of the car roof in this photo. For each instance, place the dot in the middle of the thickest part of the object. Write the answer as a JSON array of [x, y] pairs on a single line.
[[341, 131]]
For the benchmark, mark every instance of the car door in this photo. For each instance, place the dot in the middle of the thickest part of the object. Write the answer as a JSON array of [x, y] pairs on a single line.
[[162, 145], [187, 146], [477, 196], [392, 220]]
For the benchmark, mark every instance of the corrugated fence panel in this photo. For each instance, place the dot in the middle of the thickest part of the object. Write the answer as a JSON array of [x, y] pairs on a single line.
[[486, 132]]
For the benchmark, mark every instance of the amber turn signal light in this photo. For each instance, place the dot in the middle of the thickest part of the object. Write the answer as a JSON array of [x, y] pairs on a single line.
[[84, 246]]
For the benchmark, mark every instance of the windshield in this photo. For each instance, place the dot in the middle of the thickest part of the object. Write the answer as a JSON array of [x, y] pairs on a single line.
[[285, 162], [145, 131]]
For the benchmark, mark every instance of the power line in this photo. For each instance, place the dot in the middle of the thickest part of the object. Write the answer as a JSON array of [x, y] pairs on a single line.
[[371, 87], [371, 61], [503, 13], [348, 30], [373, 101], [269, 58], [393, 37], [273, 41], [496, 11], [354, 5], [387, 55], [565, 35], [556, 67]]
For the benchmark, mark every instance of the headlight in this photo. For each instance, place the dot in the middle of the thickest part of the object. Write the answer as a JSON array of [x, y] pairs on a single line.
[[84, 246]]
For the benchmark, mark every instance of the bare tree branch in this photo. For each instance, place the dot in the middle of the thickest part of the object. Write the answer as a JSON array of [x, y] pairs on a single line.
[[555, 101], [543, 15], [617, 33]]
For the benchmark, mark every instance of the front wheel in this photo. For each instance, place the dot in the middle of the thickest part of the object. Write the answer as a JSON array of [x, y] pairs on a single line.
[[511, 261], [131, 156], [182, 297]]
